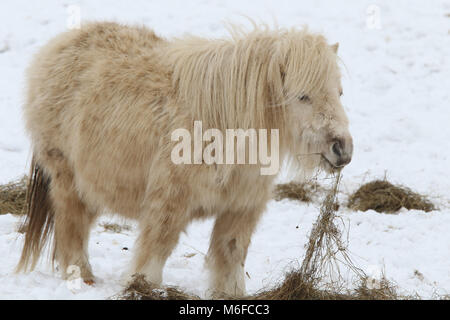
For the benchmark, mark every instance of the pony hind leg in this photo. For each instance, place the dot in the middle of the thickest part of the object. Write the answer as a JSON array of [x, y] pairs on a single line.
[[72, 222]]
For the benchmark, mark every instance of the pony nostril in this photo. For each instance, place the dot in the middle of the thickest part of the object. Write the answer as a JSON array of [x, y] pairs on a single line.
[[337, 148]]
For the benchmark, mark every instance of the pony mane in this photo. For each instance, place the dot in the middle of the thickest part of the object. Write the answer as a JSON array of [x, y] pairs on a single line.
[[246, 80]]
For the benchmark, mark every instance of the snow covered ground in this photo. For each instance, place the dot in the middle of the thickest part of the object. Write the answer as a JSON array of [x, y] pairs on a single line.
[[395, 94]]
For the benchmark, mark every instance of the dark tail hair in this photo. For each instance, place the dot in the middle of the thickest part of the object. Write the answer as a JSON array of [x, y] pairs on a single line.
[[38, 225]]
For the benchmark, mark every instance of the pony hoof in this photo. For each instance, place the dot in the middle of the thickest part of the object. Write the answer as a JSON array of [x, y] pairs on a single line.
[[89, 282]]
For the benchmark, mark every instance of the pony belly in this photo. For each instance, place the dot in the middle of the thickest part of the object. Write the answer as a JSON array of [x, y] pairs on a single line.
[[112, 193]]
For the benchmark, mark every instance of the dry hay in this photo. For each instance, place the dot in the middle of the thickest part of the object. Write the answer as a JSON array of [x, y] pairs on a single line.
[[383, 289], [297, 286], [384, 197], [115, 227], [294, 287], [296, 191], [13, 196], [140, 289]]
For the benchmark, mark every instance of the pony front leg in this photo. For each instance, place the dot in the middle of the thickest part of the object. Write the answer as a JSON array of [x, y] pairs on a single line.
[[227, 252], [158, 237]]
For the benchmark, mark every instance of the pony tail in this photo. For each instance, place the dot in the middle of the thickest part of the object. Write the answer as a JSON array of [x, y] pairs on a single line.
[[38, 224]]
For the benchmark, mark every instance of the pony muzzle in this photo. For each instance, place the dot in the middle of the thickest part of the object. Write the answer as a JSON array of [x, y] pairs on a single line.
[[340, 152]]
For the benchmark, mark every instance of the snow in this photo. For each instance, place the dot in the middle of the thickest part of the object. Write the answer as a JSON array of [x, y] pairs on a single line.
[[395, 71]]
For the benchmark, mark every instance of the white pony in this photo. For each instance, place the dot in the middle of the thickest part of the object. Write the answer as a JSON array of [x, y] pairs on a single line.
[[101, 106]]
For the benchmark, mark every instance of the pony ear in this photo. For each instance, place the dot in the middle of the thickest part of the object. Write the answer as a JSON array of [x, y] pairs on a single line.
[[335, 47]]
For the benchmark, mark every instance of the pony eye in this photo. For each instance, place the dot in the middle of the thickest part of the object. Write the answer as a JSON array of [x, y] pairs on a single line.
[[303, 98]]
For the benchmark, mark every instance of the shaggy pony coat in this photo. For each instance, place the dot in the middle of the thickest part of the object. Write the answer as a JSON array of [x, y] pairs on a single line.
[[101, 105]]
